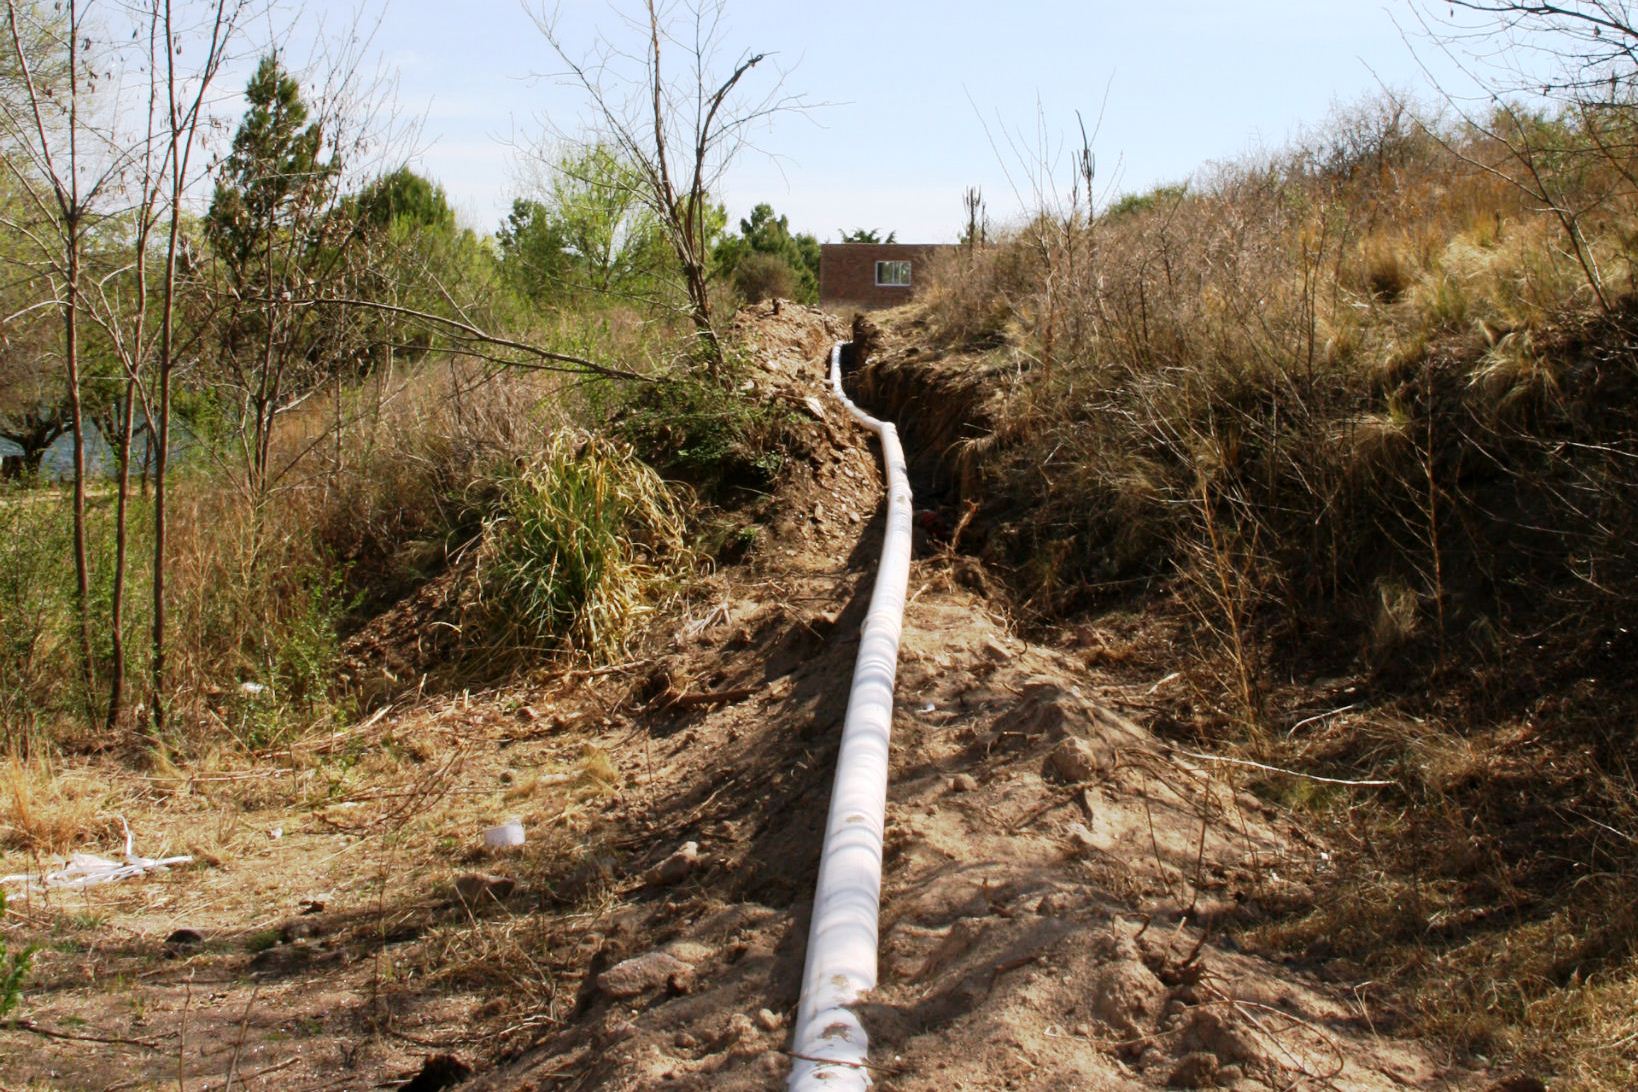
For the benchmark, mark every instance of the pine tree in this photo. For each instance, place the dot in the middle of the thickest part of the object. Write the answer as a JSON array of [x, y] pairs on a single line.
[[268, 226], [273, 176]]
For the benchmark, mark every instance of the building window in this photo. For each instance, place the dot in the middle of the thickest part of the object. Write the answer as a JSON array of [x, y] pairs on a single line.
[[892, 274]]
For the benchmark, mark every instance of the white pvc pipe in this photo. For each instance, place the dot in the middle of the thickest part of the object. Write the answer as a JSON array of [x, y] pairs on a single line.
[[829, 1043]]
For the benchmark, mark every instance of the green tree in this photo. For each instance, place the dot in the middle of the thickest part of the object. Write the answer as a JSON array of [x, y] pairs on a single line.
[[589, 231], [272, 177], [768, 237], [407, 261], [403, 196], [534, 251], [33, 408], [868, 235], [271, 230]]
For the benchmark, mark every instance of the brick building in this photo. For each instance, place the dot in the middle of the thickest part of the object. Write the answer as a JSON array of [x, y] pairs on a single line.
[[871, 275]]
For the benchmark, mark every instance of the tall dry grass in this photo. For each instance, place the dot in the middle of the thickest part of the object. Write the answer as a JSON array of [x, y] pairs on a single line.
[[1361, 410], [1298, 369], [584, 542], [374, 488]]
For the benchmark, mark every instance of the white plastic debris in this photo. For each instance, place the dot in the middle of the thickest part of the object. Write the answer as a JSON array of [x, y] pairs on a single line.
[[89, 870], [251, 689], [505, 836]]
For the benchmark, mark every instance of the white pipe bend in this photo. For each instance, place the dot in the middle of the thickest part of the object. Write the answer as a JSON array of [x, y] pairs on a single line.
[[829, 1043]]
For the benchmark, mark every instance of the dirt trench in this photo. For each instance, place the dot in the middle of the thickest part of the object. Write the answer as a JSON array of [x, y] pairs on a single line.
[[1062, 892]]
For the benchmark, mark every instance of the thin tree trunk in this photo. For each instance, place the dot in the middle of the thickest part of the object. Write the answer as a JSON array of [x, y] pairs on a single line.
[[76, 414], [116, 611], [69, 203], [182, 127], [160, 435], [134, 358]]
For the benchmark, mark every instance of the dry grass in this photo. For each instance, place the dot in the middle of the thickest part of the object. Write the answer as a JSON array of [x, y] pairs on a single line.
[[48, 811], [1361, 411], [585, 541], [1453, 901], [373, 491]]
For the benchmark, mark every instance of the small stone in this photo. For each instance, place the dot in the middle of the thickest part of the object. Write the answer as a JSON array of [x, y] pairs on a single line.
[[815, 407], [1197, 1070], [616, 1028], [283, 958], [963, 782], [478, 886], [1081, 838], [739, 1028], [528, 713], [690, 952], [643, 973], [675, 868], [768, 1020], [1073, 760], [685, 1040], [1211, 1031]]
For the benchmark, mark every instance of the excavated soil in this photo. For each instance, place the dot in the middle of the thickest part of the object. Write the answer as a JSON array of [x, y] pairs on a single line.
[[1062, 891]]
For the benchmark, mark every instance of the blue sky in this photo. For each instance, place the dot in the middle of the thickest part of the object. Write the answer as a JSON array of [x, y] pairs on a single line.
[[909, 89]]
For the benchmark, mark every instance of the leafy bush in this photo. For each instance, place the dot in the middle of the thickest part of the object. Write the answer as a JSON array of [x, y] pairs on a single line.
[[760, 276], [709, 435]]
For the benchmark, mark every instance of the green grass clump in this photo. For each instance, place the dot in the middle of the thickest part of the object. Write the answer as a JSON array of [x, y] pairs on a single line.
[[13, 969], [586, 540]]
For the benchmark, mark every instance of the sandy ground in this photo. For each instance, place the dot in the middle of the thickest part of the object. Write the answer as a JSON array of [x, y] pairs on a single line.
[[1062, 892]]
